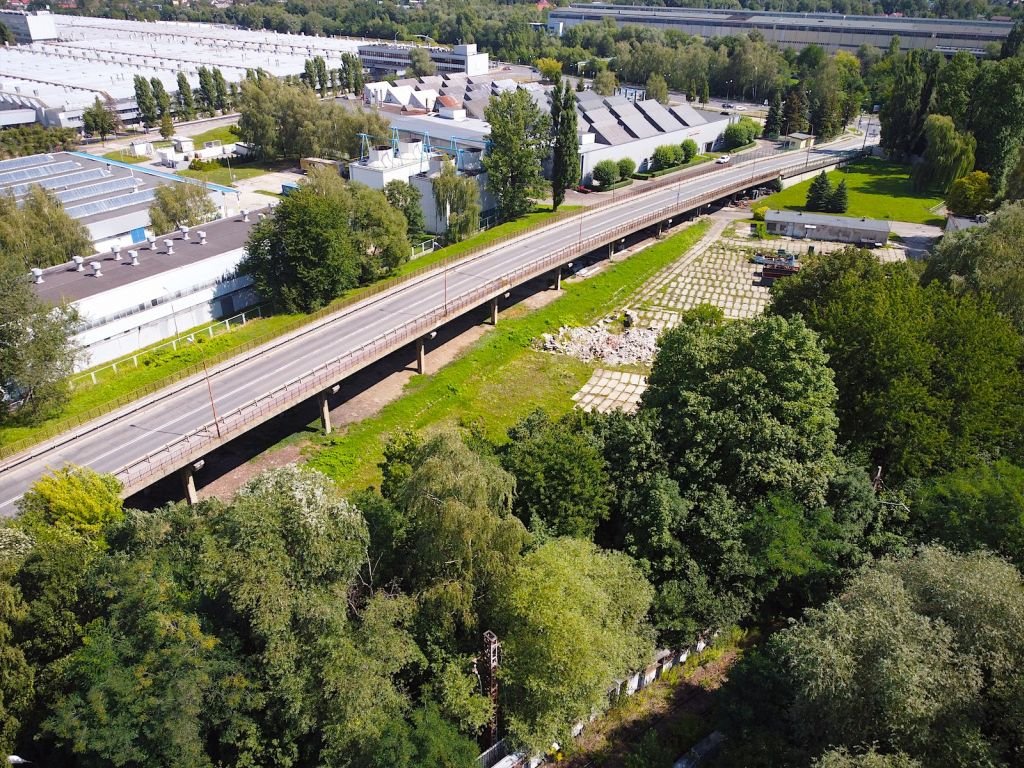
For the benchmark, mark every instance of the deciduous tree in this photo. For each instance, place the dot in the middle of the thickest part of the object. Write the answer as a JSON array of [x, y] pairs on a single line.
[[180, 205], [948, 155], [561, 482], [100, 120], [747, 403], [574, 618], [420, 63], [457, 202], [520, 142], [970, 194], [657, 88], [406, 199], [322, 239]]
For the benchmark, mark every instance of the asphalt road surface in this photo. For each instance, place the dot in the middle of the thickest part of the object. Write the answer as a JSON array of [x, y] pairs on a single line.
[[130, 436]]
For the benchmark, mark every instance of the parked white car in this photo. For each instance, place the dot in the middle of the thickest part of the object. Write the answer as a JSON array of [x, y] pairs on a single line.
[[740, 108], [724, 159]]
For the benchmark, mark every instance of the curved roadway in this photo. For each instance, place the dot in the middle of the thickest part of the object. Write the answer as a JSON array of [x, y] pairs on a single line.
[[114, 442]]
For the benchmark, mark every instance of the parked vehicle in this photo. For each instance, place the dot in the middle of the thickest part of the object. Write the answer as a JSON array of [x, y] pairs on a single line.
[[724, 159]]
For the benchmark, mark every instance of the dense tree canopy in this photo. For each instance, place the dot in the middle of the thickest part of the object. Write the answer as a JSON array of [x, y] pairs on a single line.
[[574, 616], [324, 238], [750, 401], [282, 120], [927, 381], [917, 659], [36, 231], [986, 261]]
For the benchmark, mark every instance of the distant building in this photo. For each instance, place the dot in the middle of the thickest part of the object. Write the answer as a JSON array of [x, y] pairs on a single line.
[[451, 109], [110, 199], [797, 141], [796, 30], [393, 58], [30, 26], [57, 76], [820, 226]]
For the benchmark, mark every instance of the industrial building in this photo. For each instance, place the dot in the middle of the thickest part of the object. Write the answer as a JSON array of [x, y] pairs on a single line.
[[831, 31], [450, 111], [55, 76], [820, 226], [110, 199], [394, 58], [154, 290]]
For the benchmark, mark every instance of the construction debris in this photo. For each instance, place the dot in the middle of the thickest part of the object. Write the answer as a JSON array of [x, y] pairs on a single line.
[[631, 347]]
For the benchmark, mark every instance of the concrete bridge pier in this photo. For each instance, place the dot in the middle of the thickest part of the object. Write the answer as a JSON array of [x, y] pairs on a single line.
[[494, 311], [421, 355], [558, 279], [188, 482], [325, 411]]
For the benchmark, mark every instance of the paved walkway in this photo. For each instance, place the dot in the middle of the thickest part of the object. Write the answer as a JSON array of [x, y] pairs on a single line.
[[611, 391], [714, 272]]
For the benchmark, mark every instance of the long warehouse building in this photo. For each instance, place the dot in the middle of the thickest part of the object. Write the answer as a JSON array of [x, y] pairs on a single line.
[[70, 61], [796, 30]]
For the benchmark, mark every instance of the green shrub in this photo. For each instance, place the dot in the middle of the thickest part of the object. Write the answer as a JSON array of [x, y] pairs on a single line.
[[761, 230], [606, 173], [668, 155], [690, 150], [626, 167], [743, 131], [760, 212]]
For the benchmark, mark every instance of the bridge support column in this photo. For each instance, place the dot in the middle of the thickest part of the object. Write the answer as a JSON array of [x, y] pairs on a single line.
[[558, 279], [494, 311], [421, 356], [188, 483], [325, 411]]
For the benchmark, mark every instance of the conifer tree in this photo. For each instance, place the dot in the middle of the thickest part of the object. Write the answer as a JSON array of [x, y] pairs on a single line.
[[820, 193], [838, 201], [565, 171], [773, 122]]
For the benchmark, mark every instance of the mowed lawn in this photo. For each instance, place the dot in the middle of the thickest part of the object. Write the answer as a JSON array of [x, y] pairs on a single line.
[[877, 189]]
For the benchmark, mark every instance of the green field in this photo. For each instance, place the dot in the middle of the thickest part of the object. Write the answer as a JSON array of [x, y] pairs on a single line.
[[225, 177], [501, 379], [89, 401], [124, 157], [877, 189], [222, 134]]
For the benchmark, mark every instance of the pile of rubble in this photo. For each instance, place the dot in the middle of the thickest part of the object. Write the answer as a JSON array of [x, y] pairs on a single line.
[[632, 346]]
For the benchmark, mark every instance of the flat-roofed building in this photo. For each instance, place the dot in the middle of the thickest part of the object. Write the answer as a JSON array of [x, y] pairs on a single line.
[[111, 199], [822, 226], [390, 58], [29, 26], [796, 30], [92, 58]]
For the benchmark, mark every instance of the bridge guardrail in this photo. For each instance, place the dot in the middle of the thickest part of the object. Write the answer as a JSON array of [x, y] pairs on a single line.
[[308, 323], [180, 452]]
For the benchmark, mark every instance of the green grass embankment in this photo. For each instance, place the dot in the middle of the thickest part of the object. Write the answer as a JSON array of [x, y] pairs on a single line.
[[876, 189], [501, 378]]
